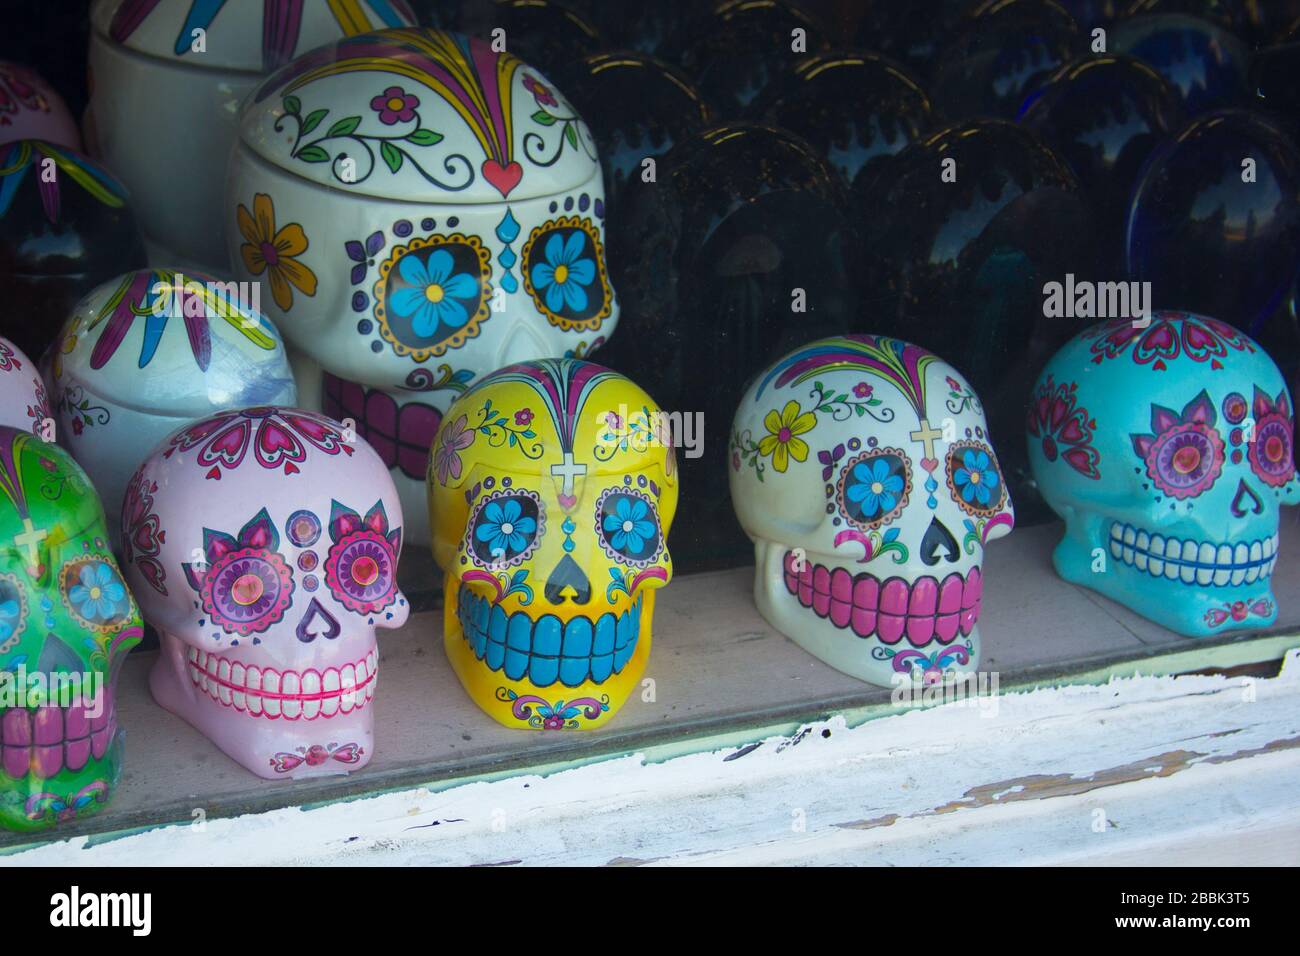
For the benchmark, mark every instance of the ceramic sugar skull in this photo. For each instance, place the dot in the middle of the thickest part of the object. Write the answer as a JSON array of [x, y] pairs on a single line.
[[263, 546], [1167, 451], [150, 350], [862, 468], [67, 622], [424, 210], [65, 226], [552, 485], [23, 401], [30, 109], [189, 64]]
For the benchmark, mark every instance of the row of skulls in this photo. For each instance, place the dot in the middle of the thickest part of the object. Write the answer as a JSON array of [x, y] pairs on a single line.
[[423, 209], [263, 543]]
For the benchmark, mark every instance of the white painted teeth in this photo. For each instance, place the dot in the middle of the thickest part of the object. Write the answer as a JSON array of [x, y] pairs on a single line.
[[1202, 563], [290, 694]]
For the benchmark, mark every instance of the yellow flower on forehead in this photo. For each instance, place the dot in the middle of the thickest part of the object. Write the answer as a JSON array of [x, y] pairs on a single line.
[[782, 442], [275, 252]]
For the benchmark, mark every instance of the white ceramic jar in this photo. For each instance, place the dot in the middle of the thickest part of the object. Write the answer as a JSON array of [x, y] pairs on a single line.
[[148, 352], [424, 209], [166, 82]]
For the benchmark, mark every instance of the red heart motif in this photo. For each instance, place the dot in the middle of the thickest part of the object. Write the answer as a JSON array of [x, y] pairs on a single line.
[[214, 474], [503, 178], [290, 468], [1159, 366], [929, 464], [1216, 364]]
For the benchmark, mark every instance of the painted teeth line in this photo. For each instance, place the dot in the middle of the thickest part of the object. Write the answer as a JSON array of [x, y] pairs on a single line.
[[1193, 562], [925, 609], [49, 739], [266, 692], [549, 650]]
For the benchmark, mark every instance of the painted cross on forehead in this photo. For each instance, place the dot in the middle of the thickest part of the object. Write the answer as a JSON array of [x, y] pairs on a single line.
[[564, 387]]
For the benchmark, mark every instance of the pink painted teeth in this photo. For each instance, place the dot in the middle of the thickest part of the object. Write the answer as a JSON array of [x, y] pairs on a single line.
[[293, 695], [50, 739], [924, 610]]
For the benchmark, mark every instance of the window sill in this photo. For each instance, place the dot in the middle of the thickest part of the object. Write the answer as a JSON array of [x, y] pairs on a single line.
[[722, 677]]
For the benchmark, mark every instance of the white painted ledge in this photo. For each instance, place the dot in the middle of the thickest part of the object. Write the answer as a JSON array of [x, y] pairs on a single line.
[[1168, 770]]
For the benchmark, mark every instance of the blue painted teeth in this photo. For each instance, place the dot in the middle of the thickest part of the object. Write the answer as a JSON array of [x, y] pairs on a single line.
[[548, 650]]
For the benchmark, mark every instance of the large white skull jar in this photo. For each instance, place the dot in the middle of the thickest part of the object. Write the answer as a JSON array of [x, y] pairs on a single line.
[[862, 469], [187, 65], [1167, 450], [263, 546], [425, 210], [148, 351]]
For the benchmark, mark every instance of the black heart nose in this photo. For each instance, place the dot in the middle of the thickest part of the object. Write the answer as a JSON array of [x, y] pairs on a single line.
[[938, 538], [568, 574]]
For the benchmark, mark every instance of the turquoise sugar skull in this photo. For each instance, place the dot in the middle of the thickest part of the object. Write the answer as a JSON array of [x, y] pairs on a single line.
[[1167, 450]]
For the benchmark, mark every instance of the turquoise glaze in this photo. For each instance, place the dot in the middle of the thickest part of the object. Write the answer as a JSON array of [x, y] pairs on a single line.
[[1167, 450]]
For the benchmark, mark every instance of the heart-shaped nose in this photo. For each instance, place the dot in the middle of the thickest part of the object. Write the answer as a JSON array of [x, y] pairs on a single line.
[[568, 574]]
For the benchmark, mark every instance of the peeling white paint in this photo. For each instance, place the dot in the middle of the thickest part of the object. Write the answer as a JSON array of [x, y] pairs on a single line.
[[1167, 765]]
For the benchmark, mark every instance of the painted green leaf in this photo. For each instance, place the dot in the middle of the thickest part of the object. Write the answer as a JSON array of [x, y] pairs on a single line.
[[313, 154], [571, 134], [312, 121], [392, 156], [292, 104], [345, 127], [544, 118], [425, 137]]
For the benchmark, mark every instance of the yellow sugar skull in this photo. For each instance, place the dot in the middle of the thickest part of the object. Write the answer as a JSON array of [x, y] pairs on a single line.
[[551, 490]]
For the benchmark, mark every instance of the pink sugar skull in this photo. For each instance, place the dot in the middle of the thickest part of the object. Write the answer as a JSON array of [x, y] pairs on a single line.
[[30, 109], [23, 402], [263, 545]]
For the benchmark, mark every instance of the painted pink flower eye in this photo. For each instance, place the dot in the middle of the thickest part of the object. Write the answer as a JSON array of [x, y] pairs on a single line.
[[361, 567], [1271, 454], [359, 570], [1184, 452], [247, 591]]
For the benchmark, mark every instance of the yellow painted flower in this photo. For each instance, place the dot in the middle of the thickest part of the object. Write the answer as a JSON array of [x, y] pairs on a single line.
[[782, 442], [275, 253]]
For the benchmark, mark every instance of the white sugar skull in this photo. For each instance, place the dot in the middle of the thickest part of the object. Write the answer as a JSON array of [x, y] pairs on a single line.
[[152, 61], [263, 546], [862, 469], [425, 209]]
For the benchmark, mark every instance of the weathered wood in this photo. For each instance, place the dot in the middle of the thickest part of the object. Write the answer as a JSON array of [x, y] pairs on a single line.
[[721, 676]]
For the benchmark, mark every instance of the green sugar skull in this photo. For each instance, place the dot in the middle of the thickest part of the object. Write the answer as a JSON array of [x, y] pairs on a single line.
[[67, 621]]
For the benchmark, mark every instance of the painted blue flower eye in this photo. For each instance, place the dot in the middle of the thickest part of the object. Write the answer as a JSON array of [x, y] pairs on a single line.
[[874, 487], [506, 528], [974, 479], [628, 526]]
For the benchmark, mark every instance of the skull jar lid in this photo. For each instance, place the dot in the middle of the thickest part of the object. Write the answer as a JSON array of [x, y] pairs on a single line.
[[149, 350], [167, 30], [420, 115]]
